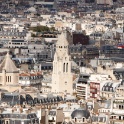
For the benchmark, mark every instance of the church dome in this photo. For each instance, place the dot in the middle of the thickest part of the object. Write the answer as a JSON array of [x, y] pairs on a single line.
[[80, 113]]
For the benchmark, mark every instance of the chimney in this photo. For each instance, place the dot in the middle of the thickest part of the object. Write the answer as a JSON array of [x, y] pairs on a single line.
[[21, 110], [12, 110]]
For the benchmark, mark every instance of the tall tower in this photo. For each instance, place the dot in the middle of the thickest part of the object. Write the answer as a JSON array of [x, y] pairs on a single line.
[[62, 79], [9, 74]]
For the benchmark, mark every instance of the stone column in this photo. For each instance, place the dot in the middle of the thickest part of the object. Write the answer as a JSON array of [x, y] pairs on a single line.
[[4, 77]]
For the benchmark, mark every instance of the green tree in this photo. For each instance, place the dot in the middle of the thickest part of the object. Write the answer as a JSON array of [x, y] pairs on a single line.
[[52, 29], [33, 35]]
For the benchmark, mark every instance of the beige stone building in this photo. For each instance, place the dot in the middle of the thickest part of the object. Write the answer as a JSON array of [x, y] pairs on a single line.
[[62, 78], [9, 74]]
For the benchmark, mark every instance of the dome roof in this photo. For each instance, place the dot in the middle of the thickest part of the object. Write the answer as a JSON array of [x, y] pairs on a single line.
[[110, 87], [79, 113]]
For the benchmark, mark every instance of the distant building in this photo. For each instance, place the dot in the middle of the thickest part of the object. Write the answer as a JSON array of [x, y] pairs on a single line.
[[18, 116], [80, 38], [17, 43], [82, 87], [55, 116], [108, 2], [94, 89], [30, 79]]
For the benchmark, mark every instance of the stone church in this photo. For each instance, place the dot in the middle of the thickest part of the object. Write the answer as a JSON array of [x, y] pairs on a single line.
[[62, 78], [9, 74]]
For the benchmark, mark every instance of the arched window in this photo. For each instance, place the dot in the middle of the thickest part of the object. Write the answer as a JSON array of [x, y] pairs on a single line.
[[83, 119], [64, 67], [119, 106], [8, 78], [67, 67], [75, 119], [119, 117]]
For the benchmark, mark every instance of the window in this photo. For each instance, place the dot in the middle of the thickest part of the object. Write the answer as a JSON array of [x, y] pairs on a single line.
[[83, 119], [119, 106], [64, 67], [6, 78], [10, 78], [75, 119], [67, 67], [0, 78], [111, 89], [119, 117]]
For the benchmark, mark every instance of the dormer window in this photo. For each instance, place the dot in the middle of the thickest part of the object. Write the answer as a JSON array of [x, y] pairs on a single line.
[[75, 119], [83, 119], [52, 118]]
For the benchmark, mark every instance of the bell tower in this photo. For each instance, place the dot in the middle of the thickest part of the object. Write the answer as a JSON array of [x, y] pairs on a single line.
[[62, 76]]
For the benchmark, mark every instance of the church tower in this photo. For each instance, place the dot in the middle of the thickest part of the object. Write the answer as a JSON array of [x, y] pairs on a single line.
[[62, 79], [9, 74]]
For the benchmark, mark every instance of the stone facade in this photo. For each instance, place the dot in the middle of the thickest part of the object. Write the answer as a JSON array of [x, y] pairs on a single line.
[[9, 74], [62, 77]]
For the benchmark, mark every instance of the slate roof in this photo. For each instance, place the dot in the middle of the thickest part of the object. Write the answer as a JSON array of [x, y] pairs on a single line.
[[80, 113], [110, 87]]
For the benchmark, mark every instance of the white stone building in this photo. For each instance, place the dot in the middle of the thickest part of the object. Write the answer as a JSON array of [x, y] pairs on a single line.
[[9, 75], [62, 78]]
